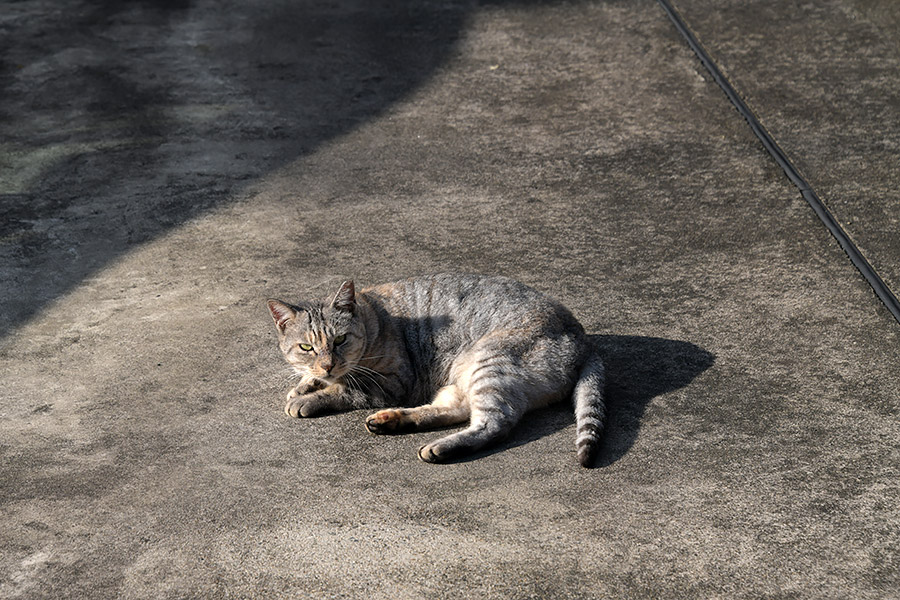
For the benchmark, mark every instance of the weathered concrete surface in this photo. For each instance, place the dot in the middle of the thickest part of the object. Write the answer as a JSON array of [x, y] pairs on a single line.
[[168, 166], [822, 77]]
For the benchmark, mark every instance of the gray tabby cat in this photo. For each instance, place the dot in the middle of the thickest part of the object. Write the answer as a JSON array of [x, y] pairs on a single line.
[[456, 348]]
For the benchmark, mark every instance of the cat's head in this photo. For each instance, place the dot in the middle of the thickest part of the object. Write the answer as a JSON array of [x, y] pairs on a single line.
[[323, 340]]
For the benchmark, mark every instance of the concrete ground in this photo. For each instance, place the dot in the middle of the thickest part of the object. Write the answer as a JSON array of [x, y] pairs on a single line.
[[168, 165]]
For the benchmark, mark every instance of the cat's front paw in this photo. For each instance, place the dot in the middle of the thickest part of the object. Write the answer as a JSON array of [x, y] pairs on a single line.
[[303, 405], [307, 386], [389, 421]]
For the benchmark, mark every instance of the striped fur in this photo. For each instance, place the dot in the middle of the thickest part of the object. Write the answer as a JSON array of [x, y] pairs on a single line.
[[451, 349], [590, 410]]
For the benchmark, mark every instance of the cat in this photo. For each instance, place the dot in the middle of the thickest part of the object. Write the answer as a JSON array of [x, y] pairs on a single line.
[[452, 348]]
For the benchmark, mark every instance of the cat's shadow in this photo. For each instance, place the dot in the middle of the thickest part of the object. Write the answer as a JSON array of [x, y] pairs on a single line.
[[638, 369]]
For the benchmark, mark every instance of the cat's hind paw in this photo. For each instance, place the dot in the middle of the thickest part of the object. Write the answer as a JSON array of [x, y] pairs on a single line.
[[431, 453]]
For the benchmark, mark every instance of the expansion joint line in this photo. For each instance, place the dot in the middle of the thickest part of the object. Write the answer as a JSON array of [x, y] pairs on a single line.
[[859, 261]]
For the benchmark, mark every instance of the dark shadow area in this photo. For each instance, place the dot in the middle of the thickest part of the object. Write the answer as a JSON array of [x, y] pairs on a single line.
[[638, 369], [122, 120]]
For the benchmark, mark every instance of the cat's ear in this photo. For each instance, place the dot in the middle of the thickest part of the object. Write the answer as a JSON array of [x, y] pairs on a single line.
[[281, 313], [345, 299]]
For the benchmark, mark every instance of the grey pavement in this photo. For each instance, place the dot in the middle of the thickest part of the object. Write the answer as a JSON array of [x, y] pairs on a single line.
[[167, 166]]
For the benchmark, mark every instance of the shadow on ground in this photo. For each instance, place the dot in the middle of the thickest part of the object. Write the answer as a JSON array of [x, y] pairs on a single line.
[[638, 369]]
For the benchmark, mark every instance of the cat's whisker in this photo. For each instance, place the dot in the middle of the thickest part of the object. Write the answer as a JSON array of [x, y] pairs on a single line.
[[369, 371], [364, 374], [353, 382], [356, 372]]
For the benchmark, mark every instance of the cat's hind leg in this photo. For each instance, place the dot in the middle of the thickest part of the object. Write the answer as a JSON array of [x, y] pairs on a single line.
[[493, 416], [449, 407], [504, 375]]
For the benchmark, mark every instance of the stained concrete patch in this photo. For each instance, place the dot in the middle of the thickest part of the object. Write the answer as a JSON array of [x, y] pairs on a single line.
[[579, 147]]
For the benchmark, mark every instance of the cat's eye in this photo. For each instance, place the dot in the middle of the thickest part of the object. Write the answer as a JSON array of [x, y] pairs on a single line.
[[338, 340], [305, 347]]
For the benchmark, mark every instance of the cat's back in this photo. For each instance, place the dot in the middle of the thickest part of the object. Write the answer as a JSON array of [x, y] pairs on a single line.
[[470, 305]]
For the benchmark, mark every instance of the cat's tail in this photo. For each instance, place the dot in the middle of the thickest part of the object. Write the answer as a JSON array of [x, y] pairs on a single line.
[[590, 409]]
